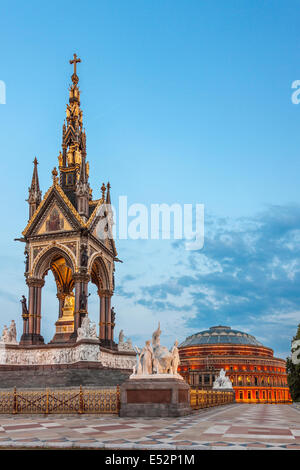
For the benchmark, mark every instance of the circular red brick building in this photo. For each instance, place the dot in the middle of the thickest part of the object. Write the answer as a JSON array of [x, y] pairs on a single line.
[[256, 375]]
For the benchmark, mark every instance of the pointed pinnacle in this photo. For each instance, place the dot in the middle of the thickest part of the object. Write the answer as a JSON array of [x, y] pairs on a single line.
[[108, 194], [54, 175], [103, 188]]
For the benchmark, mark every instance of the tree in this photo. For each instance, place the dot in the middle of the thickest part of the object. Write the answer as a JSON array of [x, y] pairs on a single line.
[[293, 371]]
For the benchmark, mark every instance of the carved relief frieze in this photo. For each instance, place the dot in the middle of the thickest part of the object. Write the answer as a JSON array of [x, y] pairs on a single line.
[[66, 355]]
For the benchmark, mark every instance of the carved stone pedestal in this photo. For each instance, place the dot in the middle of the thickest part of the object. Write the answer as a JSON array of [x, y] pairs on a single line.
[[155, 397]]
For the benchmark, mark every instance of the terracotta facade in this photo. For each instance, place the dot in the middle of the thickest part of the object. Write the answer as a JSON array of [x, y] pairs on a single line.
[[256, 375]]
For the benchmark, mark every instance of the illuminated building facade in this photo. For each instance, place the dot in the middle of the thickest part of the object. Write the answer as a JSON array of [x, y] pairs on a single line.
[[256, 375]]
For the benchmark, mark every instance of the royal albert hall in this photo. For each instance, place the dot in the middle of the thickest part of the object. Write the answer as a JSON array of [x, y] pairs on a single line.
[[256, 375]]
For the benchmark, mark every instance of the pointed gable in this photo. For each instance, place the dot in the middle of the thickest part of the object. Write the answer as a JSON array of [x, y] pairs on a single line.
[[95, 226], [54, 214]]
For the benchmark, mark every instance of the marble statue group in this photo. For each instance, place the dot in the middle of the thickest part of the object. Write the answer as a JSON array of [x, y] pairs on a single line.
[[9, 335], [156, 359], [87, 330], [222, 382]]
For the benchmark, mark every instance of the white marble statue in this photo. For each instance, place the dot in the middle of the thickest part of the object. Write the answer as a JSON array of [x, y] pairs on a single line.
[[5, 335], [146, 359], [162, 356], [87, 330], [9, 335], [175, 358], [121, 337], [222, 382], [124, 345], [156, 360], [137, 369], [13, 332]]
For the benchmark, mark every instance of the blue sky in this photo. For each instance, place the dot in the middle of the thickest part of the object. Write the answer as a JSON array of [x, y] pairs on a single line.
[[183, 101]]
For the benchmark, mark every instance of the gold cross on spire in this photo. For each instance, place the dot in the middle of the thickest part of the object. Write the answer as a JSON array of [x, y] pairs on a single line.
[[75, 61]]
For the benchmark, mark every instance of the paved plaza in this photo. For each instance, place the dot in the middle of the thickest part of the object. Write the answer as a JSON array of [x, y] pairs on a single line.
[[237, 426]]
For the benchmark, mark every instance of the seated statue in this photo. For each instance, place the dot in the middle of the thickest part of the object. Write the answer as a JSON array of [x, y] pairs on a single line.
[[124, 345]]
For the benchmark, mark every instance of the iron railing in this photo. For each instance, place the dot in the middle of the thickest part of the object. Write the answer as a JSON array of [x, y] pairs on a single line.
[[89, 401], [207, 398], [102, 400]]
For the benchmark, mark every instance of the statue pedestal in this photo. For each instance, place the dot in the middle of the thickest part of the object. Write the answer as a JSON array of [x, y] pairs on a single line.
[[155, 396]]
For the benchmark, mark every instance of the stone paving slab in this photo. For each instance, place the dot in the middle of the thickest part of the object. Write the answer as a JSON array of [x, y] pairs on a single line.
[[235, 426]]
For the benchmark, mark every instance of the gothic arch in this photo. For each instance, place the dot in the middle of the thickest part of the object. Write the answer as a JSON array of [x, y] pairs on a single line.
[[43, 262], [99, 273]]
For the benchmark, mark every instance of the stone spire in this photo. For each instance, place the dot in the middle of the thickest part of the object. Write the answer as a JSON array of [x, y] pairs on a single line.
[[35, 194], [83, 190], [72, 164], [108, 201], [109, 212]]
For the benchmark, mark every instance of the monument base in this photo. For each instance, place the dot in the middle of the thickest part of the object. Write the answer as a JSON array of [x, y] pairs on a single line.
[[83, 363], [29, 339], [155, 397]]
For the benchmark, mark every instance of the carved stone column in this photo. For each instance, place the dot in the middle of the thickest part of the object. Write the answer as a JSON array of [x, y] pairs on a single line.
[[108, 318], [32, 333], [81, 281], [102, 316], [106, 335], [31, 302], [25, 324], [38, 310]]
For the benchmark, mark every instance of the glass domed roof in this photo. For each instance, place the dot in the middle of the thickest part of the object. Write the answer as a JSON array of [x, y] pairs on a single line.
[[220, 335]]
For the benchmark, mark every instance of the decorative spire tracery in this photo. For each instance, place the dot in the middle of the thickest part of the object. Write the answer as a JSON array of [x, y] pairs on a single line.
[[35, 194], [72, 160]]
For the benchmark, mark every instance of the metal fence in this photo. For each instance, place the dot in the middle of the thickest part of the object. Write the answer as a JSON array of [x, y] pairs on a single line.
[[207, 398], [104, 400], [89, 401]]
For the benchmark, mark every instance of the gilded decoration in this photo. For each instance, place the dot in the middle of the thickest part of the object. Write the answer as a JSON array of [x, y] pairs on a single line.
[[60, 248], [64, 222]]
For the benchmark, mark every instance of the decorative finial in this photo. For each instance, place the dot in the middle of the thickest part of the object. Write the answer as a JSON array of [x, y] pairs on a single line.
[[60, 159], [35, 161], [54, 175], [75, 61], [103, 188], [108, 201]]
